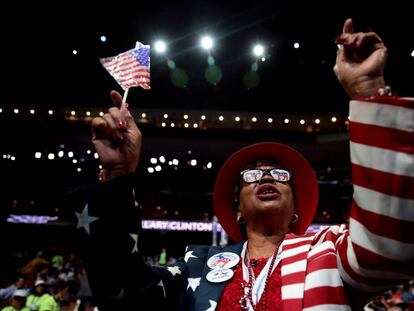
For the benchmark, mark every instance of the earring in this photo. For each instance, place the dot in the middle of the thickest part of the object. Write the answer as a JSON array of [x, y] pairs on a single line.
[[295, 218], [240, 220]]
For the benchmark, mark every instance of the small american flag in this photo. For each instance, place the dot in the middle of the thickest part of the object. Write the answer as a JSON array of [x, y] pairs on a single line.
[[131, 68]]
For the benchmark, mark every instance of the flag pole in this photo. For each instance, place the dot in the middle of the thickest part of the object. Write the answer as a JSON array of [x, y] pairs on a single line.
[[125, 95]]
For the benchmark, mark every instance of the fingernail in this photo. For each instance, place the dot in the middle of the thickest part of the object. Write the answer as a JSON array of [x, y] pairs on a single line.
[[122, 124], [340, 40]]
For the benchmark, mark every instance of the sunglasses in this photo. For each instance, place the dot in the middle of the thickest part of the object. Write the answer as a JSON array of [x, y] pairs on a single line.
[[255, 175]]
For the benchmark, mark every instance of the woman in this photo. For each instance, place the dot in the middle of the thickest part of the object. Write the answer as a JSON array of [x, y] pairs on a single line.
[[275, 266]]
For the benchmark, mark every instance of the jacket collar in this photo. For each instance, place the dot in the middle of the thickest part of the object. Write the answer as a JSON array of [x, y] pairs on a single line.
[[293, 284]]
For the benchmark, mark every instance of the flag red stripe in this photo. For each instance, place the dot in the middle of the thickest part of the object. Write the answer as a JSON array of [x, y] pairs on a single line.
[[397, 229], [391, 184], [382, 137]]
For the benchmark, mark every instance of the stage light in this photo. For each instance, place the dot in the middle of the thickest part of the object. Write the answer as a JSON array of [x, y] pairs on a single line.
[[160, 47], [258, 50], [74, 52], [103, 38], [38, 155], [206, 42], [296, 45]]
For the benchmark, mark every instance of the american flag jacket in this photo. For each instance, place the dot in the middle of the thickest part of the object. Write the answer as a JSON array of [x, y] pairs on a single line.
[[322, 271]]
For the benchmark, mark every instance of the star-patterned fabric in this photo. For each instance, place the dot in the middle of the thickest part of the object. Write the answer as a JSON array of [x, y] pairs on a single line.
[[84, 219], [107, 219]]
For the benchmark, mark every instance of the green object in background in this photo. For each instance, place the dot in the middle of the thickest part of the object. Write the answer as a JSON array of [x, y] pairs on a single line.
[[251, 80], [213, 74], [163, 257], [179, 78]]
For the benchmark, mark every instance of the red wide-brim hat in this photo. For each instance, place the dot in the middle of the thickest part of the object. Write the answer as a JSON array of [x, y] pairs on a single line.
[[304, 179]]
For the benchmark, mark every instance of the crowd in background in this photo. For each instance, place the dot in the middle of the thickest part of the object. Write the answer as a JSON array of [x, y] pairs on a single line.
[[55, 281], [47, 282], [58, 282]]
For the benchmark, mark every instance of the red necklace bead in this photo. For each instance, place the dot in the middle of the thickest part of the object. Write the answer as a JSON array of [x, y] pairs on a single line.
[[252, 279]]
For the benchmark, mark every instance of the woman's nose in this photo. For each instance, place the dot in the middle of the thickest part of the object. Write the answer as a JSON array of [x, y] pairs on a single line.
[[266, 178]]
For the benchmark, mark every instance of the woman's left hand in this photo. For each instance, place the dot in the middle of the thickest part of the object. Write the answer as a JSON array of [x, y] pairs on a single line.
[[360, 62]]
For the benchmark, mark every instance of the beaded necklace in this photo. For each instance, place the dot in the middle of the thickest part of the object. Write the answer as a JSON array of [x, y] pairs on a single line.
[[248, 288]]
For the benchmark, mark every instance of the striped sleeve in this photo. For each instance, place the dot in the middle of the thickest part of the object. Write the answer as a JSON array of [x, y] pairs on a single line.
[[379, 251]]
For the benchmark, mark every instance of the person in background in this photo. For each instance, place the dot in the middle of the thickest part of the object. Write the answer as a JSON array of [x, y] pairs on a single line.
[[41, 300], [163, 257], [265, 197], [8, 292], [35, 266], [18, 301]]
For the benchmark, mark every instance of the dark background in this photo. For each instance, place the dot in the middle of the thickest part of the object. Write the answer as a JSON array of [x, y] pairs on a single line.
[[39, 68]]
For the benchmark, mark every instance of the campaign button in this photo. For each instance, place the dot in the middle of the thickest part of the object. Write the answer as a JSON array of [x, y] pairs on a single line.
[[219, 275], [223, 260]]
